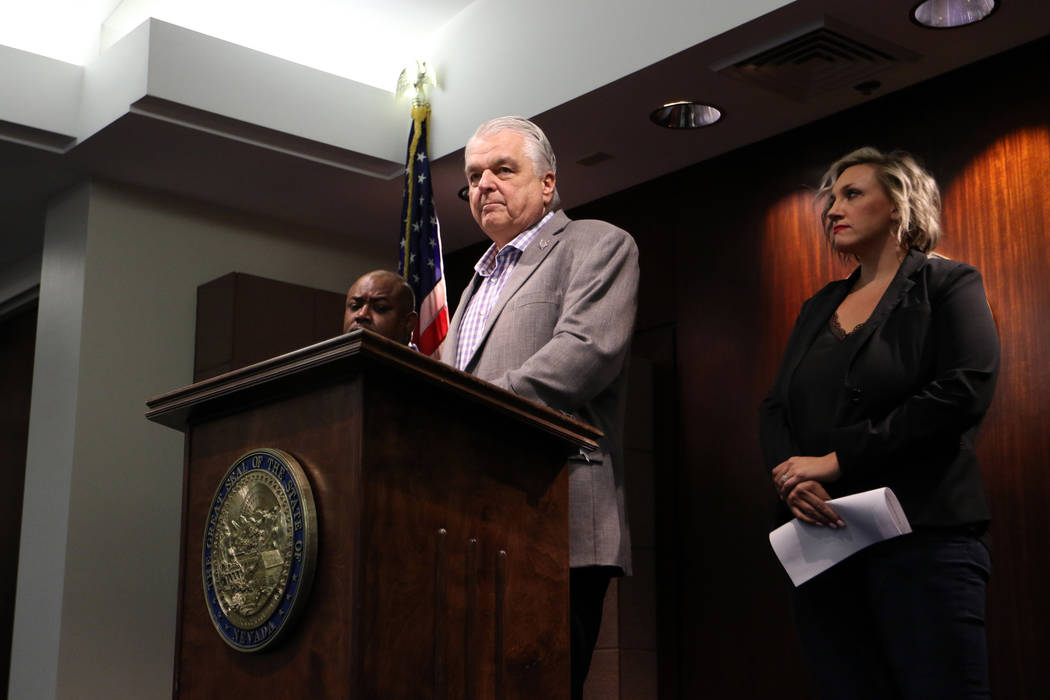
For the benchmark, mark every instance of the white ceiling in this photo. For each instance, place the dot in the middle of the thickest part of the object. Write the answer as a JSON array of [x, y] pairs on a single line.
[[589, 79], [365, 40]]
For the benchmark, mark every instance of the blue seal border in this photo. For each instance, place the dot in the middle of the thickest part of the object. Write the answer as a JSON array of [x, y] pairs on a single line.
[[296, 487]]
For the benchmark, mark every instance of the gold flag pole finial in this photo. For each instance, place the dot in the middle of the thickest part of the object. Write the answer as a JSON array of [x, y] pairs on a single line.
[[418, 88]]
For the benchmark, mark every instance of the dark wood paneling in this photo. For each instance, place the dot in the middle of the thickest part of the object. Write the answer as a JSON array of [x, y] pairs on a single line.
[[795, 264], [740, 238], [997, 213], [732, 604], [17, 345]]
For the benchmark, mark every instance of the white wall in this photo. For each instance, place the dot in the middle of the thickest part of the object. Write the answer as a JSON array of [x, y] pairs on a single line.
[[49, 457], [97, 583]]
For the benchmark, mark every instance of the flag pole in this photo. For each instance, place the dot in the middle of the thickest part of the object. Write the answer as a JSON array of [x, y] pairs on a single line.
[[420, 260]]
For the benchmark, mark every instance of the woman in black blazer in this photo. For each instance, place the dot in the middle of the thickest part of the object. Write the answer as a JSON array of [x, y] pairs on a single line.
[[884, 380]]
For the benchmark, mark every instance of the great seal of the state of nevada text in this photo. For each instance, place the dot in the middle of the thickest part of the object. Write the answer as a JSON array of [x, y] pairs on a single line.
[[260, 546]]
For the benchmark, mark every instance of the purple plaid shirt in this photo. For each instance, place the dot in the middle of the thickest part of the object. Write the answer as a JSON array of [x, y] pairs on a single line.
[[494, 267]]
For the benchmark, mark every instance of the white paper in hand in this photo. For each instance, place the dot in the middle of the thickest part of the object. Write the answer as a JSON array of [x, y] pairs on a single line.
[[870, 517]]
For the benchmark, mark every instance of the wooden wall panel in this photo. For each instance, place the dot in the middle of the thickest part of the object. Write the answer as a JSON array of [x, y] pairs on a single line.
[[997, 213], [984, 134], [243, 319], [740, 241], [795, 264]]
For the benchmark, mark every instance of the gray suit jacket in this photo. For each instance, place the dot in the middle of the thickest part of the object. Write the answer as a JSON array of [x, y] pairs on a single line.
[[559, 335]]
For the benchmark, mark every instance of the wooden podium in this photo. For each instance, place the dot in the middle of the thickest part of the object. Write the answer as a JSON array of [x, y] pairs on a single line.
[[442, 563]]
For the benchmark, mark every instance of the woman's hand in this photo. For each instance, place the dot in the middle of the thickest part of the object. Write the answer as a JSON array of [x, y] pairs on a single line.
[[807, 502], [797, 469]]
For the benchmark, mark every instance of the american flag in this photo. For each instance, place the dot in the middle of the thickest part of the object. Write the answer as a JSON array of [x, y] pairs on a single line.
[[420, 262]]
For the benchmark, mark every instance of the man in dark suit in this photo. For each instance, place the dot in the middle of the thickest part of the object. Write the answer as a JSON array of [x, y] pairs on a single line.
[[383, 302], [548, 315]]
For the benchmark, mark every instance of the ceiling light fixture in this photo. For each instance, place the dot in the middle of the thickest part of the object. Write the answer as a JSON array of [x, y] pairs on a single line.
[[685, 114], [948, 14]]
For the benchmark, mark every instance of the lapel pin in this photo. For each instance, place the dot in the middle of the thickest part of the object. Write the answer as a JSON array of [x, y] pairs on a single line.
[[544, 243]]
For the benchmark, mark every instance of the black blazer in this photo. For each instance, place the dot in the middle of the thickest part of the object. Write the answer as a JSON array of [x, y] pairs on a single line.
[[919, 381]]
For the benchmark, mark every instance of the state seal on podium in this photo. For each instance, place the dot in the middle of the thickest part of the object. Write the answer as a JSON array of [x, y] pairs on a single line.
[[260, 547]]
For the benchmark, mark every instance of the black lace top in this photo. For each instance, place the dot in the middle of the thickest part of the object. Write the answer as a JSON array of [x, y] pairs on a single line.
[[816, 392]]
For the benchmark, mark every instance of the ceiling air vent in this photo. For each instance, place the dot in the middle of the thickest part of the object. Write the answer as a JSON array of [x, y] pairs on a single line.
[[816, 61]]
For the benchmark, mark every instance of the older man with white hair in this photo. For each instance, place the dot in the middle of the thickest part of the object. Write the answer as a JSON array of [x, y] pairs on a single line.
[[549, 315]]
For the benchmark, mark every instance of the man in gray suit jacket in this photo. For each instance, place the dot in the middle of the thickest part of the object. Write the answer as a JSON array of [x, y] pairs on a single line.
[[548, 315]]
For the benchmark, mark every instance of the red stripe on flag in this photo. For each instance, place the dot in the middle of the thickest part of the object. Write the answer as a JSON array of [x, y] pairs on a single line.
[[429, 340]]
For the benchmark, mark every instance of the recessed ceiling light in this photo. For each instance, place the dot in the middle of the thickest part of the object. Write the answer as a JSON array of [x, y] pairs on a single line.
[[947, 14], [685, 114]]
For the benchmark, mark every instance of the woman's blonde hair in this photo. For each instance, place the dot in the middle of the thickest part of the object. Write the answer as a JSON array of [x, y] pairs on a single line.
[[909, 186]]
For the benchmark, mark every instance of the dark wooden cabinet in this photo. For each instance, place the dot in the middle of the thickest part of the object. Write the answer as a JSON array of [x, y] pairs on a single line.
[[243, 319]]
